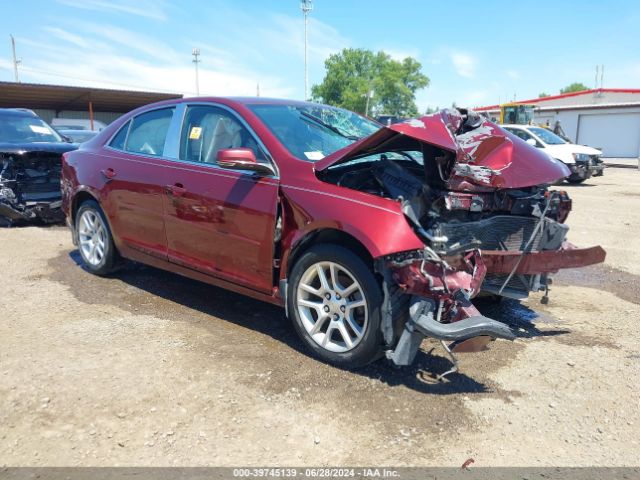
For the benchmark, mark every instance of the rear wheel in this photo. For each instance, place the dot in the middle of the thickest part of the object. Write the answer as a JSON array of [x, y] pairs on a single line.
[[334, 302], [95, 241]]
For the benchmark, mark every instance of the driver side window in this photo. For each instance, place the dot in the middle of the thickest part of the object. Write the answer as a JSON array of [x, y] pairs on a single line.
[[207, 130]]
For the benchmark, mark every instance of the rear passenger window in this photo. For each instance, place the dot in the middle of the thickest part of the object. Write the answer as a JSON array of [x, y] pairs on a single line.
[[149, 131], [118, 141]]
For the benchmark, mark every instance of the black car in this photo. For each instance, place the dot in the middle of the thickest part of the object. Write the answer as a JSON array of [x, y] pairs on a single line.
[[30, 163]]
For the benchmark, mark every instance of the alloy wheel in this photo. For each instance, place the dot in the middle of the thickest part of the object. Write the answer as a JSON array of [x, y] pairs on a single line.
[[92, 237], [332, 306]]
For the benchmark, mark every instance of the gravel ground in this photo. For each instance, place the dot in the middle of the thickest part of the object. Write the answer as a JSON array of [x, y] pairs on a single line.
[[148, 368]]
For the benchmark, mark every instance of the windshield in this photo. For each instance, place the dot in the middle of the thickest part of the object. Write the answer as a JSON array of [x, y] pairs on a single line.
[[311, 132], [546, 136], [26, 129], [518, 114]]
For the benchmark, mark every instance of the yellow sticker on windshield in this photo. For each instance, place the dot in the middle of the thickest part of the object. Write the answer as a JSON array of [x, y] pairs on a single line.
[[195, 133]]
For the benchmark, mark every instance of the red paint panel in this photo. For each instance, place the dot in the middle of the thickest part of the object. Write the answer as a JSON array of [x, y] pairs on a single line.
[[503, 262]]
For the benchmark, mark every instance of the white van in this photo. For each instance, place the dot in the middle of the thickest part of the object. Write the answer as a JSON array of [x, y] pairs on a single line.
[[77, 124]]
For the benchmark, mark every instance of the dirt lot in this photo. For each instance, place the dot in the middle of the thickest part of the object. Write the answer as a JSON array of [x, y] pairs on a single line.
[[148, 368]]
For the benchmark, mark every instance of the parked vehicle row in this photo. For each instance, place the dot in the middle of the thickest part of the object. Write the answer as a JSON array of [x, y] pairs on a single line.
[[371, 237]]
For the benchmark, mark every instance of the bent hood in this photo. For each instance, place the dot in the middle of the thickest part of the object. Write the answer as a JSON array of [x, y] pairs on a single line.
[[485, 154]]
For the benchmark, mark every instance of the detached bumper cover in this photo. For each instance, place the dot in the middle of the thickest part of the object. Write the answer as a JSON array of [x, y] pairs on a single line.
[[549, 261]]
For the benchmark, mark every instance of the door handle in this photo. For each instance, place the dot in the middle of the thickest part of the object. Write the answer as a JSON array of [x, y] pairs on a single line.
[[177, 190], [108, 173]]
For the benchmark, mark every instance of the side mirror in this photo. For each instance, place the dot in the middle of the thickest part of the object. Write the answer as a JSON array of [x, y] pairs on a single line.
[[532, 142], [242, 159]]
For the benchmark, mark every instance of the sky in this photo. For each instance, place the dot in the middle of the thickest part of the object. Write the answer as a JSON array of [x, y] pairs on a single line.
[[475, 53]]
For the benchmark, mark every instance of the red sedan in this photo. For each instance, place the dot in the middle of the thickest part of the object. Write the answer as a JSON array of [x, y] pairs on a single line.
[[371, 237]]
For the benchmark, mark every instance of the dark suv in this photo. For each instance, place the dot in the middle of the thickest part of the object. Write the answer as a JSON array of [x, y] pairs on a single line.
[[30, 163]]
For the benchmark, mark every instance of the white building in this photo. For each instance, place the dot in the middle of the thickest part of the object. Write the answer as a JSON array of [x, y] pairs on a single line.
[[606, 118]]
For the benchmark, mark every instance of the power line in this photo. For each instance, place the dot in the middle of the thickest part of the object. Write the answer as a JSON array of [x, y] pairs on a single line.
[[91, 80]]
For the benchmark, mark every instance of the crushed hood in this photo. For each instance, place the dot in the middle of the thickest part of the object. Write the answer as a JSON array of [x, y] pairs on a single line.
[[486, 155]]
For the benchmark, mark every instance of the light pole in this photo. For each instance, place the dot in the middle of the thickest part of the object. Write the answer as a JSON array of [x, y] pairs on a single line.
[[16, 62], [306, 6], [196, 60]]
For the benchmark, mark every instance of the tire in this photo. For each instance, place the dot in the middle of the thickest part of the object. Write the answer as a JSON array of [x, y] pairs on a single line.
[[323, 326], [95, 242], [575, 181]]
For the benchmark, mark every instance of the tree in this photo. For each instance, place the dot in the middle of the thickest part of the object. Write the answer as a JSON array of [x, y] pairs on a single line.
[[574, 87], [543, 94], [355, 74]]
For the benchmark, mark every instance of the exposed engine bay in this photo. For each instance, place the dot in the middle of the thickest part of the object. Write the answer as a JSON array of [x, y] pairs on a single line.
[[488, 220], [30, 184], [453, 222]]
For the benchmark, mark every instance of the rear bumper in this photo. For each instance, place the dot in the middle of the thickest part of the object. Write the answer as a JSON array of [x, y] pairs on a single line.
[[548, 261]]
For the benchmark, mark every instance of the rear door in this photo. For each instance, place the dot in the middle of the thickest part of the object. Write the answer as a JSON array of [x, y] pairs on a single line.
[[134, 177], [220, 221]]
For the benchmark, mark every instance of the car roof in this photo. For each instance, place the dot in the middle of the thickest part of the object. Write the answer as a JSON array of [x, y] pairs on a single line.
[[18, 112], [233, 101]]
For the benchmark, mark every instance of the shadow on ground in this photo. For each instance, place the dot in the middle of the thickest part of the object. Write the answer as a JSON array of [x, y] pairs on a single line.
[[204, 301]]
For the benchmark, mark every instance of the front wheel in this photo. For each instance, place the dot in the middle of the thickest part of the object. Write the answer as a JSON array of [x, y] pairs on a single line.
[[94, 239], [334, 302], [575, 180]]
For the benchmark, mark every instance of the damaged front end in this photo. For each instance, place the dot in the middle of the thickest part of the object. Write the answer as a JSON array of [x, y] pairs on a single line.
[[440, 303], [30, 182], [479, 199]]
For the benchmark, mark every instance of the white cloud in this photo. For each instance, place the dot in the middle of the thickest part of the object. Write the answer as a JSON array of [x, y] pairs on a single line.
[[268, 49], [77, 40], [464, 64], [152, 9], [401, 54], [103, 61], [513, 74]]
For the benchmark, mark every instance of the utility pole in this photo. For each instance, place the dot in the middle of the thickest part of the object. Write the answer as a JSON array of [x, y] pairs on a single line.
[[196, 60], [16, 62], [369, 94], [306, 6]]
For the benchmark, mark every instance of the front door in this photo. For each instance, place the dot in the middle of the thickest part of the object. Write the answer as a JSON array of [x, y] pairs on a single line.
[[220, 221]]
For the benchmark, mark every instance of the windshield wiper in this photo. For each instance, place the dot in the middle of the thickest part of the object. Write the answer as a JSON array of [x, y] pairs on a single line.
[[328, 126]]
